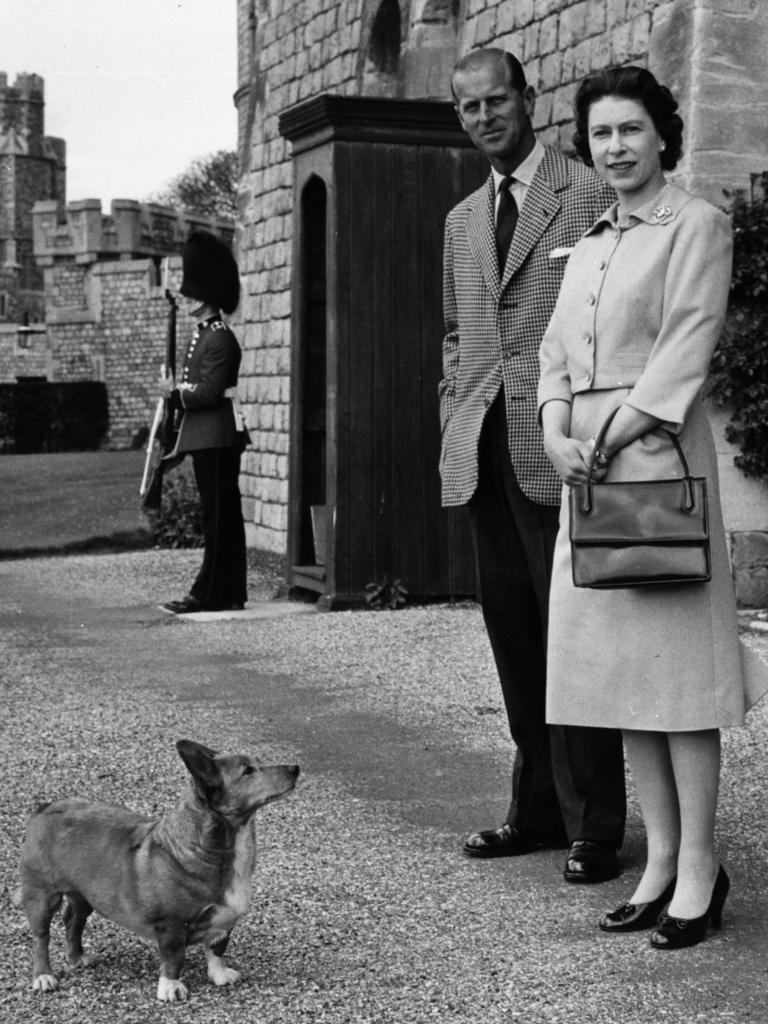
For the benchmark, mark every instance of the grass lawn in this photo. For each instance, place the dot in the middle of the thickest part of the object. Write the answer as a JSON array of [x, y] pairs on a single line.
[[52, 500]]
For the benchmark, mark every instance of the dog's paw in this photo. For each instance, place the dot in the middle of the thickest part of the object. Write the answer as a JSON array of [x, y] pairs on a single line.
[[85, 960], [45, 983], [220, 974], [170, 990], [218, 971]]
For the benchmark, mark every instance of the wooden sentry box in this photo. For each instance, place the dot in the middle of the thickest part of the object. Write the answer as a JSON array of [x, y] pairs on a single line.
[[373, 180]]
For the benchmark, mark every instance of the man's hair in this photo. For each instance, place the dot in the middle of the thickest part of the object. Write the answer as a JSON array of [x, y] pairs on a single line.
[[631, 83], [476, 59]]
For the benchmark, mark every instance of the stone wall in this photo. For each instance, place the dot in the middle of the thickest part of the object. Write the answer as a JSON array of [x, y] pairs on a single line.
[[711, 52], [107, 322], [286, 53], [23, 352], [105, 306]]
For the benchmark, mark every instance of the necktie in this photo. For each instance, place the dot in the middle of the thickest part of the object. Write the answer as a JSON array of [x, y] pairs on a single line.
[[506, 219]]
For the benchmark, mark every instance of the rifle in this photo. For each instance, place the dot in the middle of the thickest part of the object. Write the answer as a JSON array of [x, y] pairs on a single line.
[[164, 431]]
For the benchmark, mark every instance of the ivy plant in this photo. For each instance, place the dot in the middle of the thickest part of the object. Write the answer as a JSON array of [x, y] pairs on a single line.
[[739, 371]]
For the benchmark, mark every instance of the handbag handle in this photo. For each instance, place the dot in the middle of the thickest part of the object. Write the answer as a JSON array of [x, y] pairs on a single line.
[[688, 501]]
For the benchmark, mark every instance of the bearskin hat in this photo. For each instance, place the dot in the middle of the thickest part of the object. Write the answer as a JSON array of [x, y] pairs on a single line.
[[210, 272]]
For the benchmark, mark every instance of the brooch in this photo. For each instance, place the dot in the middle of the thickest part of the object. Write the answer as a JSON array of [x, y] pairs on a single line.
[[661, 214]]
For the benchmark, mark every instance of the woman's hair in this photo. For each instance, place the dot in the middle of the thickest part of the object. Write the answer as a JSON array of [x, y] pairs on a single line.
[[631, 83]]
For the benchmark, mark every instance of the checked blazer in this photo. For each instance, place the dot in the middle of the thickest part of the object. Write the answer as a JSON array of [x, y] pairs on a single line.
[[494, 325]]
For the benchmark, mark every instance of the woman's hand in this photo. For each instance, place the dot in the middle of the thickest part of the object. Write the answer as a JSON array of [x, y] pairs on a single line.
[[569, 456], [571, 459]]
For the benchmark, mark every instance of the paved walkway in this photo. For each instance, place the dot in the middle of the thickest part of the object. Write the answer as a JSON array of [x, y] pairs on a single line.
[[364, 910]]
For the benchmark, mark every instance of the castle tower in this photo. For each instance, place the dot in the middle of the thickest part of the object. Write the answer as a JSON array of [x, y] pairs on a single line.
[[32, 168]]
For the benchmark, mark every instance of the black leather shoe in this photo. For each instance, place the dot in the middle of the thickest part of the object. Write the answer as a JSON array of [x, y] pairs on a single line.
[[634, 917], [590, 861], [185, 606], [505, 842], [680, 932]]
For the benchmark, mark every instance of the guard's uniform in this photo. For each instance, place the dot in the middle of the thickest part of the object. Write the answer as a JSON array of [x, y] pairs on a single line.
[[209, 432], [209, 429]]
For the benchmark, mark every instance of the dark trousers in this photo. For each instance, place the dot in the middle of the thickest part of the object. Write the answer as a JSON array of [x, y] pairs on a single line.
[[567, 781], [222, 578]]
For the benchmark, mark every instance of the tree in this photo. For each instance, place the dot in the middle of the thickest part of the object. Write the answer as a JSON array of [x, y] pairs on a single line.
[[208, 186]]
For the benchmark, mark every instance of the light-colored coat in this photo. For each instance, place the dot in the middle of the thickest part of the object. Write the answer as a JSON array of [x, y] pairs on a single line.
[[639, 315], [494, 325], [642, 312]]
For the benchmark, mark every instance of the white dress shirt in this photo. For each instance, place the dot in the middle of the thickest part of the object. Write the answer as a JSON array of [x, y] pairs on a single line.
[[522, 177]]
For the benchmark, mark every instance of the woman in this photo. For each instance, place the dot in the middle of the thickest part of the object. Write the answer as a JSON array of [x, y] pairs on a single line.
[[209, 429], [640, 311]]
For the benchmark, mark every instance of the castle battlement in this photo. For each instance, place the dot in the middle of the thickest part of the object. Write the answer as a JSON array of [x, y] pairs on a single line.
[[28, 86], [80, 231]]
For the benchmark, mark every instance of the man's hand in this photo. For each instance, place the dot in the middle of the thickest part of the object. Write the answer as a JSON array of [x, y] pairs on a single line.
[[166, 384]]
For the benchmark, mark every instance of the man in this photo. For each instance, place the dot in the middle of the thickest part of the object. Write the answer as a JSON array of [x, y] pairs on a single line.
[[209, 428], [505, 251]]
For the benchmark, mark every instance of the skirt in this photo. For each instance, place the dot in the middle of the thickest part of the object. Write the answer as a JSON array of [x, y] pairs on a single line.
[[660, 658]]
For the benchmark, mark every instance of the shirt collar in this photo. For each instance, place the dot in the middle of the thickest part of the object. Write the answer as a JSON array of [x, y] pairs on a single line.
[[662, 209], [525, 171]]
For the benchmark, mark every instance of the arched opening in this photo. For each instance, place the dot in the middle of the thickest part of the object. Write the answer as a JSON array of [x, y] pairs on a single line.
[[384, 47], [431, 49], [383, 56], [313, 343]]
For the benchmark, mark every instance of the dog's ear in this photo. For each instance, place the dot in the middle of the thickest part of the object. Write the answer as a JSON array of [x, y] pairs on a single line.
[[201, 765]]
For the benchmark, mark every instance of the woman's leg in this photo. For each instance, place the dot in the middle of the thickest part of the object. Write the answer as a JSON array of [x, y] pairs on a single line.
[[695, 758], [648, 754]]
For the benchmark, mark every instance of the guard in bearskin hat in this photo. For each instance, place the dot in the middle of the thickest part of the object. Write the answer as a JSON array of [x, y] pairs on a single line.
[[211, 428]]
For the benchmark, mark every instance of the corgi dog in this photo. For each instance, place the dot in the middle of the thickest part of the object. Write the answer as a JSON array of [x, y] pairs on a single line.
[[180, 879]]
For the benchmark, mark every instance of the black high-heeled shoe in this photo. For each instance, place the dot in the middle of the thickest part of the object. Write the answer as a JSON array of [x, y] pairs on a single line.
[[634, 917], [679, 932]]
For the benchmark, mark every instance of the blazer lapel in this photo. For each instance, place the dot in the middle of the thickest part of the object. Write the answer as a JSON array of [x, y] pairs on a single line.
[[540, 207], [481, 235]]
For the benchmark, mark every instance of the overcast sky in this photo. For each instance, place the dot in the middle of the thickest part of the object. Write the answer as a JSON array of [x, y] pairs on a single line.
[[136, 88]]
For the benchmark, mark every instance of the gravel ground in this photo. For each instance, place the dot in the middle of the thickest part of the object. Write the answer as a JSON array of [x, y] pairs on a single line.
[[363, 909]]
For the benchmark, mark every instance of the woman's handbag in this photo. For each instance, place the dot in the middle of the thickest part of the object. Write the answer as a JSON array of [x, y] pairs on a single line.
[[634, 533]]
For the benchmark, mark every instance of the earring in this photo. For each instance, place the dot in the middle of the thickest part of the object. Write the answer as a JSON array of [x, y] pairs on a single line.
[[662, 146]]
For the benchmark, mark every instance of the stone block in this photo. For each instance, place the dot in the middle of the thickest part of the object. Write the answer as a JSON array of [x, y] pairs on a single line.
[[615, 12], [562, 107], [485, 31], [550, 72], [572, 27], [621, 44], [600, 54], [542, 114], [749, 560], [641, 35], [543, 8], [636, 8], [514, 15], [596, 19], [547, 35], [582, 58]]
